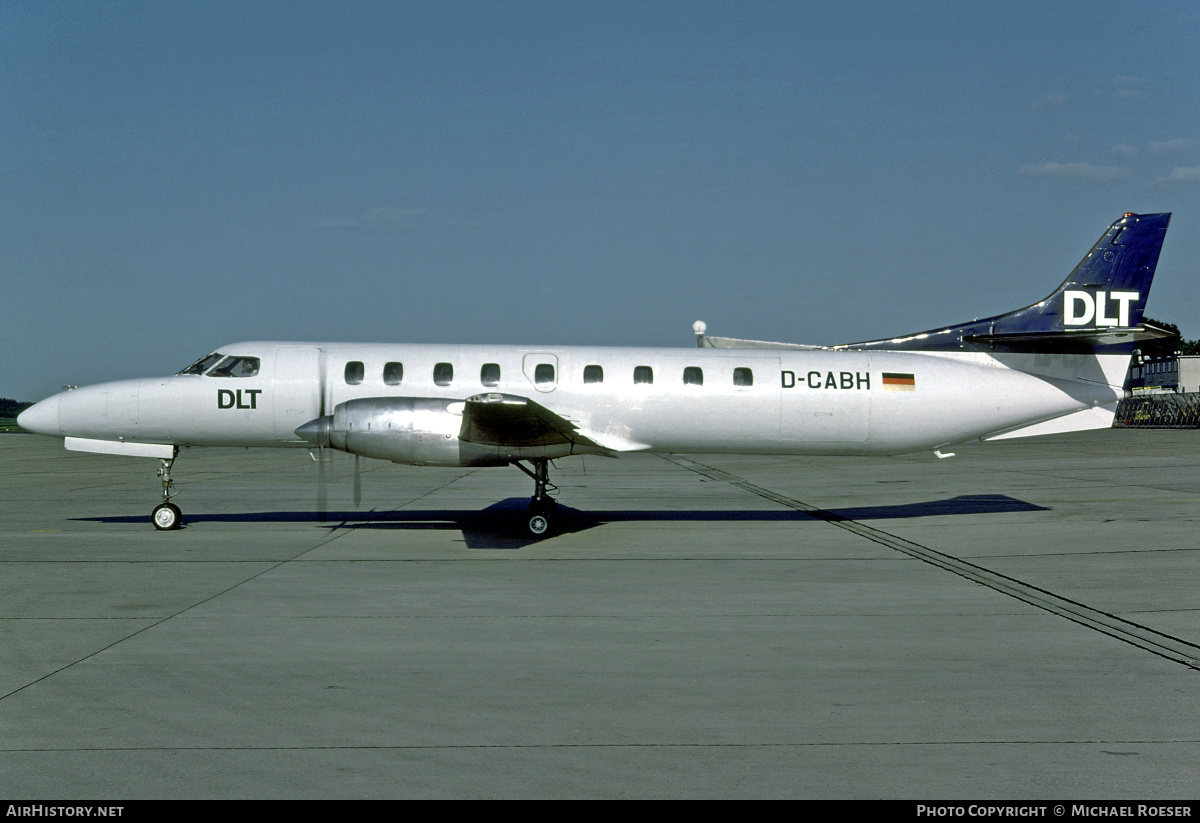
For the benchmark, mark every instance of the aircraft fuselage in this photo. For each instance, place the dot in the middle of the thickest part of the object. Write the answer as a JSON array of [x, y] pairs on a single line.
[[658, 399], [1053, 366]]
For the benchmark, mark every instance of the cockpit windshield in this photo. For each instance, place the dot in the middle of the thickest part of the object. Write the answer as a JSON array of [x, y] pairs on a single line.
[[203, 364], [236, 367]]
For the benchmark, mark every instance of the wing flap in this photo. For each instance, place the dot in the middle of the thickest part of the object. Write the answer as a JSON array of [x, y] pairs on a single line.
[[509, 420]]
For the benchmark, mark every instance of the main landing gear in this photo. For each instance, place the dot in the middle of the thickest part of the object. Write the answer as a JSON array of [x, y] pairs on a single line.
[[542, 514], [166, 515]]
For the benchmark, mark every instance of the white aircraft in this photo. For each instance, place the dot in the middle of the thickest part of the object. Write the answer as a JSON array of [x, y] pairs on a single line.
[[1055, 366]]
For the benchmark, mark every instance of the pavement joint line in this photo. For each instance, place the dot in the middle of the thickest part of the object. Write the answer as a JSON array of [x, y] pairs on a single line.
[[435, 490], [1135, 634], [623, 745], [334, 534]]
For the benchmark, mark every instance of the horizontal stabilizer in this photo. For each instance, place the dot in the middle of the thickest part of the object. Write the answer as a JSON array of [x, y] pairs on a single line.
[[1071, 338], [705, 341]]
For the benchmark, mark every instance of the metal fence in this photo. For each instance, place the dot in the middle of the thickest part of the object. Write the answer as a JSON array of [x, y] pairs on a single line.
[[1159, 411]]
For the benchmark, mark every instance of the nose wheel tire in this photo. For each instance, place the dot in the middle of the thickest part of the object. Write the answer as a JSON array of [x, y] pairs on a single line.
[[166, 517]]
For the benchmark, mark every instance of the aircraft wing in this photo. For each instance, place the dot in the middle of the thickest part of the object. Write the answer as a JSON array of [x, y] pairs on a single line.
[[496, 419]]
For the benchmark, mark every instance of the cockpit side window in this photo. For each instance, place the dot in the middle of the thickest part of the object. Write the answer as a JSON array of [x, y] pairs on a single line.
[[203, 364], [236, 367]]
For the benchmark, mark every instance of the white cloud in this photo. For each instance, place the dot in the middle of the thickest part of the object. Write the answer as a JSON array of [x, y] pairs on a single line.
[[1052, 98], [1075, 171], [376, 218], [1124, 151], [1056, 96], [1182, 174], [1126, 86], [1167, 146], [392, 215]]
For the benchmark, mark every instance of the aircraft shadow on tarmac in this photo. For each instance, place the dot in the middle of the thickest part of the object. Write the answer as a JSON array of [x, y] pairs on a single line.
[[501, 526]]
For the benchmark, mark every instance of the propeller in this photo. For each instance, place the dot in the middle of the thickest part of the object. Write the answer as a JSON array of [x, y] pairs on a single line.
[[322, 492], [318, 454], [317, 432], [357, 484]]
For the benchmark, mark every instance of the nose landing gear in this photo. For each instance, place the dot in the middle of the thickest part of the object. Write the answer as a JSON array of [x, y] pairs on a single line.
[[166, 515]]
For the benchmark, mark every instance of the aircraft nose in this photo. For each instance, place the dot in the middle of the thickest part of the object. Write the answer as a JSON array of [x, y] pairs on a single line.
[[42, 417]]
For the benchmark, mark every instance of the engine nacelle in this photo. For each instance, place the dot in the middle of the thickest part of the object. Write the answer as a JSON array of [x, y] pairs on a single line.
[[421, 431]]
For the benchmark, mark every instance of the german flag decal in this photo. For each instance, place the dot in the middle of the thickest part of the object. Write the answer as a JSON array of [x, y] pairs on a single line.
[[894, 381]]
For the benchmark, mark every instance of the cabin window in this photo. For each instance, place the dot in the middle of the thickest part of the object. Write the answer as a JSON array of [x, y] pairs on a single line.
[[443, 374], [643, 374], [354, 372], [543, 374], [203, 364], [693, 376], [489, 375], [593, 374], [393, 373], [236, 367], [743, 377]]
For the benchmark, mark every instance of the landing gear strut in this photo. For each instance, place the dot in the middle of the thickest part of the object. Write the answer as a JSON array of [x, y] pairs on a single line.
[[166, 515], [543, 509]]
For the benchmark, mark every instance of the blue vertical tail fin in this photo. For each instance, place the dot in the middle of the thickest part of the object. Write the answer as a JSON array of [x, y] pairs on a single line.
[[1098, 307]]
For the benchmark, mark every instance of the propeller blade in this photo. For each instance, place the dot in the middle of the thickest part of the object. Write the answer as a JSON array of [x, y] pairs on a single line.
[[322, 494], [357, 484]]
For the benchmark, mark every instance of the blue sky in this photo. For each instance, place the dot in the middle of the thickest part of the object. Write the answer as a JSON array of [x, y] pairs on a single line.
[[174, 176]]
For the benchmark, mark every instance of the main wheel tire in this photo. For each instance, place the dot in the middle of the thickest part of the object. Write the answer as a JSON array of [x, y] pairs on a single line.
[[538, 523], [166, 517]]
